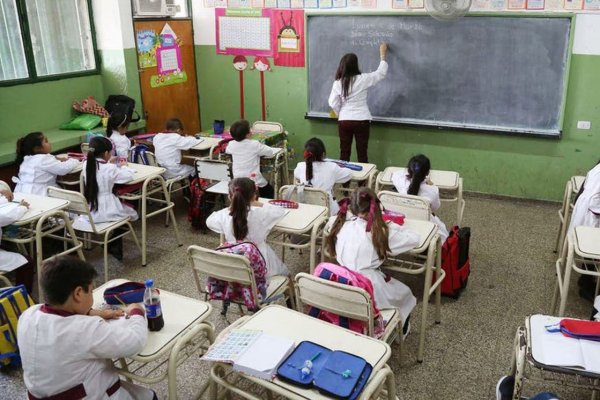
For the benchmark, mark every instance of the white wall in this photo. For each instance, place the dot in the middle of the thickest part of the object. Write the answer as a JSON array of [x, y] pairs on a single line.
[[113, 23]]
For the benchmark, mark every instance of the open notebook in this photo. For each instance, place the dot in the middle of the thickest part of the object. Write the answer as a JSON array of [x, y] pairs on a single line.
[[559, 350]]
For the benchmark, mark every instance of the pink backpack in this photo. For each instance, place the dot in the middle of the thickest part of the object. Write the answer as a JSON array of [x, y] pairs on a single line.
[[337, 273]]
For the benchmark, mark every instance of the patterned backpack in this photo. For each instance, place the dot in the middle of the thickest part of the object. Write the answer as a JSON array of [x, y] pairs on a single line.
[[14, 301], [138, 154], [198, 209], [234, 292], [336, 273]]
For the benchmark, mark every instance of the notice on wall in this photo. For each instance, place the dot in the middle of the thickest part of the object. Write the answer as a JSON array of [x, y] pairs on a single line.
[[243, 31], [147, 42]]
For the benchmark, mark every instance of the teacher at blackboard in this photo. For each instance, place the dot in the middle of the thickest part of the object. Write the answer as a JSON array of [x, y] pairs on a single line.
[[348, 99]]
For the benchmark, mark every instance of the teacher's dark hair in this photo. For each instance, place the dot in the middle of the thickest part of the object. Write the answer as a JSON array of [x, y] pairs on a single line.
[[347, 71]]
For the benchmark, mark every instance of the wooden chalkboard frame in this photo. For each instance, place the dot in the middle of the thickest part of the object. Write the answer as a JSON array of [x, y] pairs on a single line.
[[457, 127]]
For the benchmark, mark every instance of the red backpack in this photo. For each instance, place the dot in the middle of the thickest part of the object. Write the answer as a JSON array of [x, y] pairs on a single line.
[[198, 208], [455, 261]]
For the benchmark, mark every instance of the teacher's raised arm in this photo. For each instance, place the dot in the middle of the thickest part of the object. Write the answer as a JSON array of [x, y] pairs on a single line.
[[348, 99]]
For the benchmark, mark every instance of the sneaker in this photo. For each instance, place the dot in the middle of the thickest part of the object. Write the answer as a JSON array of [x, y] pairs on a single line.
[[505, 387]]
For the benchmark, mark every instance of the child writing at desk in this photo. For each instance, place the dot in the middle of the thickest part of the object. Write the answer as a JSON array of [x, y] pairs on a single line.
[[319, 174], [246, 154], [362, 242], [247, 219], [67, 347], [168, 146], [38, 168], [100, 176], [415, 181], [116, 130]]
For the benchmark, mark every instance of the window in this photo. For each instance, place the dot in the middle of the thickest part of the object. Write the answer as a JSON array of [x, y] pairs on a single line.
[[45, 38]]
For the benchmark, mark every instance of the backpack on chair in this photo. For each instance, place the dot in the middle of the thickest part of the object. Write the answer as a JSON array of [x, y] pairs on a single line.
[[198, 209], [455, 261], [119, 103]]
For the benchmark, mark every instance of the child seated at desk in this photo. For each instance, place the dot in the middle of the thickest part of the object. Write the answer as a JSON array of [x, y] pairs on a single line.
[[250, 220], [38, 168], [315, 172], [246, 154], [415, 181], [116, 130], [11, 212], [168, 146], [100, 176], [362, 241], [67, 347]]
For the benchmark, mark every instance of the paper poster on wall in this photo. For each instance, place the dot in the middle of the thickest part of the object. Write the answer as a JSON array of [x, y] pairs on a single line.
[[340, 4], [288, 38], [354, 3], [245, 31], [311, 3], [480, 5], [258, 3], [209, 3], [368, 3], [147, 43], [416, 4], [573, 4], [516, 4], [239, 3], [535, 4], [398, 3], [325, 3], [284, 3], [168, 79], [270, 3], [297, 3], [553, 5], [498, 4], [220, 3], [591, 5]]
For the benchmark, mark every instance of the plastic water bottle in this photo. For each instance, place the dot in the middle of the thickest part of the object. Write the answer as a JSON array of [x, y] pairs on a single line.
[[152, 306]]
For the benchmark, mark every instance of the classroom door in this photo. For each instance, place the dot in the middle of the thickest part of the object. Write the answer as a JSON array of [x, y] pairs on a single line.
[[167, 68]]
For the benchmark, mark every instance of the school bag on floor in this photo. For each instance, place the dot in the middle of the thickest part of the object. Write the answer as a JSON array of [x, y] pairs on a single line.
[[14, 300], [235, 292], [455, 261], [198, 209]]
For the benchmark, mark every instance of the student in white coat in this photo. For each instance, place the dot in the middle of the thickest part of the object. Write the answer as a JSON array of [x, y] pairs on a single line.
[[415, 181], [100, 176], [248, 219], [9, 213], [38, 168], [362, 241], [67, 347], [319, 174], [116, 130], [168, 146], [246, 154]]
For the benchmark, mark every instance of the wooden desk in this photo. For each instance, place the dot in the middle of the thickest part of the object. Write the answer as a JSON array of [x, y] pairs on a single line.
[[449, 183], [184, 325], [281, 321]]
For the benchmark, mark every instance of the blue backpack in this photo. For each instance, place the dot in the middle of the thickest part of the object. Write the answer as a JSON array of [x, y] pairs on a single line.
[[138, 154]]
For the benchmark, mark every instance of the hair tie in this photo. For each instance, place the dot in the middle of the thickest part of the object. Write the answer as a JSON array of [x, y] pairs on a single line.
[[344, 206], [93, 150], [371, 213], [307, 154]]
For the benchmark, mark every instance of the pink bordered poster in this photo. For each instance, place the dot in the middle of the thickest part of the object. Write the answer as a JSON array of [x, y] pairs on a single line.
[[243, 31], [168, 55]]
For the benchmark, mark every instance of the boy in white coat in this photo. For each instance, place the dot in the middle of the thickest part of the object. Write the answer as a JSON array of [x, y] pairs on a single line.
[[316, 173], [66, 346], [38, 168], [168, 146]]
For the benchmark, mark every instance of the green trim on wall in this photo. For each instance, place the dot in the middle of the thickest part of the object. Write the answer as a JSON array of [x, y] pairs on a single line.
[[524, 167]]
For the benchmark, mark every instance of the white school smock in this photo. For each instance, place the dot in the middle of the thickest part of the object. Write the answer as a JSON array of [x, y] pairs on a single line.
[[354, 107], [121, 142], [587, 208], [110, 208], [325, 175], [260, 222], [61, 351], [167, 149], [39, 171], [430, 192], [9, 213], [354, 250], [246, 158]]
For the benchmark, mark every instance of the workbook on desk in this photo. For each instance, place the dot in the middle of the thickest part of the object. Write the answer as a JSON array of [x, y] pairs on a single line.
[[553, 348], [251, 352]]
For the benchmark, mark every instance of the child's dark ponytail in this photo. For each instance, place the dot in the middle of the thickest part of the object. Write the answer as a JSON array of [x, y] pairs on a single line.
[[27, 144], [98, 146], [116, 121], [337, 226], [314, 150], [242, 192], [418, 168]]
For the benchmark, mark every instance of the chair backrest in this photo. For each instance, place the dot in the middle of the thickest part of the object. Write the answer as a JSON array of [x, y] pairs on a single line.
[[310, 195], [151, 159], [414, 207], [77, 202], [338, 298], [4, 186], [223, 266], [267, 126], [213, 170], [85, 147]]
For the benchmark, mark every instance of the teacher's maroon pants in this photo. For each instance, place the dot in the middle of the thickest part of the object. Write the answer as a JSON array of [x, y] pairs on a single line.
[[347, 131]]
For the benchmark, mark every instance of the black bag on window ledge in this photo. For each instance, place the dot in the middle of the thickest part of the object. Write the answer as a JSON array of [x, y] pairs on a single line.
[[119, 103]]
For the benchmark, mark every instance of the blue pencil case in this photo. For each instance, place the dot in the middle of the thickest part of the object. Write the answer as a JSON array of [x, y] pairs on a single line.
[[340, 374], [291, 369]]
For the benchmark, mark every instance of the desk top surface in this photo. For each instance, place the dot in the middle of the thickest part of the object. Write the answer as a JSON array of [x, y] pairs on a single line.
[[440, 178], [179, 313], [588, 241], [301, 219], [143, 172], [425, 229], [38, 206]]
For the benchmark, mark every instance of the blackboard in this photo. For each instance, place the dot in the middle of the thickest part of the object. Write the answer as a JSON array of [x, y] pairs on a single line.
[[497, 73]]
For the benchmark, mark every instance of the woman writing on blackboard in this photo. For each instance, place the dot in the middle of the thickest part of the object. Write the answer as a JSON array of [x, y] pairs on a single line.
[[348, 99]]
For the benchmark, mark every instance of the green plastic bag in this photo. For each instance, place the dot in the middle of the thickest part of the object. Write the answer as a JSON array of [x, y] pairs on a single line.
[[82, 122]]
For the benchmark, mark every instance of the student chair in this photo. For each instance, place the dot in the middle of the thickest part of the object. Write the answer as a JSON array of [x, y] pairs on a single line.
[[79, 206], [4, 279], [85, 147], [304, 194], [346, 301], [414, 207], [234, 268], [280, 164], [580, 253], [217, 172], [564, 213]]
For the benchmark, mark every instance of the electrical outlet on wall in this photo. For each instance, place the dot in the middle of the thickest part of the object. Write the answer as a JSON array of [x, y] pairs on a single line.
[[584, 124]]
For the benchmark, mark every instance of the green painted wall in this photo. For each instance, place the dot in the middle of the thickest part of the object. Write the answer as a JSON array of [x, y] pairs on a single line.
[[491, 163], [44, 105]]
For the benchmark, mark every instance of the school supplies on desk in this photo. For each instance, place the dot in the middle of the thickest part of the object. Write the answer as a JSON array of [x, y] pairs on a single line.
[[345, 164], [394, 216], [577, 329], [335, 373], [251, 352], [284, 203]]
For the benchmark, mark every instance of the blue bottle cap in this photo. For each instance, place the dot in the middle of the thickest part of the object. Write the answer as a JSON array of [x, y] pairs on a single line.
[[149, 282]]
